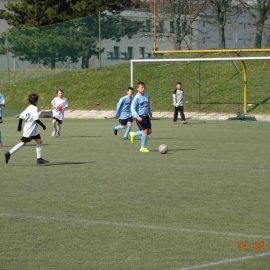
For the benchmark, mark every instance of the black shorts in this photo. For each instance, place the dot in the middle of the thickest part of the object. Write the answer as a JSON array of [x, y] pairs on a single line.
[[145, 123], [59, 121], [124, 122], [29, 139]]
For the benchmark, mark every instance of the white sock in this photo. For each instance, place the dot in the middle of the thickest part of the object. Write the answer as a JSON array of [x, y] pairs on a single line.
[[38, 150], [16, 148]]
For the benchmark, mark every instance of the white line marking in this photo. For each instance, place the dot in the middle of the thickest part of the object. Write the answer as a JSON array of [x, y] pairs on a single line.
[[129, 225], [225, 261]]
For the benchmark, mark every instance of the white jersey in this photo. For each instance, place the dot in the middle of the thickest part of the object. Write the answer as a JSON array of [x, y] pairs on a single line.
[[30, 116], [59, 105]]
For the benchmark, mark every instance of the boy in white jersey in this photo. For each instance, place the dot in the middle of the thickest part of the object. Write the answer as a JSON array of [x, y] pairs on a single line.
[[30, 130], [59, 104]]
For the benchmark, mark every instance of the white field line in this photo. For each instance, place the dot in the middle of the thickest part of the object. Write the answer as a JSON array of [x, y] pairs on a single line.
[[225, 261], [128, 225]]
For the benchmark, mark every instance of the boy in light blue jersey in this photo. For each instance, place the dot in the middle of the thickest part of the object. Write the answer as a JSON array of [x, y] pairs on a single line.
[[2, 103], [141, 111], [124, 114]]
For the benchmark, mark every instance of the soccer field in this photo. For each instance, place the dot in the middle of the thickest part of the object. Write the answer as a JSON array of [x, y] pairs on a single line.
[[101, 204]]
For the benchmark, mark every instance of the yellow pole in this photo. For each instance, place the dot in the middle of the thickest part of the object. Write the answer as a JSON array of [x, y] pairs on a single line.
[[244, 70], [245, 85], [207, 51]]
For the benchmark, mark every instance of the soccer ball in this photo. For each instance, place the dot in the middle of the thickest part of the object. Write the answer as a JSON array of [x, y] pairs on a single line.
[[163, 149]]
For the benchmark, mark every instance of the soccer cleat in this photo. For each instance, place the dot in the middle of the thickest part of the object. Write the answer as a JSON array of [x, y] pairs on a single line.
[[144, 150], [132, 137], [125, 138], [115, 131], [41, 161], [184, 122], [7, 157]]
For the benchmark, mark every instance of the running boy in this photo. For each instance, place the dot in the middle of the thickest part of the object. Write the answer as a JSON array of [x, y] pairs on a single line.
[[141, 110], [124, 114], [59, 104], [178, 103], [30, 130], [2, 103]]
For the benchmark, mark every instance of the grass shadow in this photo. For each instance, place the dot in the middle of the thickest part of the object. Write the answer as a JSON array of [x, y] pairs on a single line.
[[258, 104]]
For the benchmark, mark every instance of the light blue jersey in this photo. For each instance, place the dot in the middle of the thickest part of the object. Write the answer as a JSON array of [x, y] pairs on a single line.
[[2, 103], [141, 105], [123, 107]]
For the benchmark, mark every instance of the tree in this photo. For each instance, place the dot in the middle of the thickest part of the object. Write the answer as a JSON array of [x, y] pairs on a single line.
[[221, 8], [259, 10], [182, 14], [35, 13], [71, 40]]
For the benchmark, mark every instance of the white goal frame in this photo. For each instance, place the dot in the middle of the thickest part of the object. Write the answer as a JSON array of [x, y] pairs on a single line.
[[197, 59]]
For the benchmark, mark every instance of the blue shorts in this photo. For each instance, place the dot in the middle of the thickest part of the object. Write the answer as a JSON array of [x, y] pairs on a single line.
[[124, 122], [145, 123]]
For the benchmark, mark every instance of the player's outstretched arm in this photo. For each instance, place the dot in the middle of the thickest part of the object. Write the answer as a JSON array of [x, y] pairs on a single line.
[[19, 128], [41, 124]]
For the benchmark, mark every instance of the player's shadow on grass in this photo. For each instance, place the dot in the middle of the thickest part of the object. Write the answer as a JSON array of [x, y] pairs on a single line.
[[81, 136], [34, 145], [170, 151], [68, 163], [56, 163], [160, 138]]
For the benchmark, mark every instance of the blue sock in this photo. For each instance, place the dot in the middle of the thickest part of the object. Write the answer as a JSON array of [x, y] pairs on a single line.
[[127, 130], [138, 133], [143, 140], [117, 127]]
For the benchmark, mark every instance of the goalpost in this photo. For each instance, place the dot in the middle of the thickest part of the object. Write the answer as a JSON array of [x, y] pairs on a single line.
[[190, 60]]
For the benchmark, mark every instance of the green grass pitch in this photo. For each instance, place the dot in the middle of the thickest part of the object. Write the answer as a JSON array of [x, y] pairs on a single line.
[[101, 204]]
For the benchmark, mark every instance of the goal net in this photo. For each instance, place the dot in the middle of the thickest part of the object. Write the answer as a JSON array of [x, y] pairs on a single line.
[[227, 84]]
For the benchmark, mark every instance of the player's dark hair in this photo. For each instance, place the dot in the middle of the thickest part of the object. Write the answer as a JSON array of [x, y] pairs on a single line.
[[59, 90], [131, 88], [178, 83], [33, 99], [140, 83]]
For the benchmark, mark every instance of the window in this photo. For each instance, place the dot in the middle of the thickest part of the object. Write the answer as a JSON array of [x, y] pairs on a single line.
[[147, 25], [109, 55], [203, 23], [124, 56], [172, 29], [116, 52], [141, 52], [1, 13], [130, 53], [161, 27], [229, 22]]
